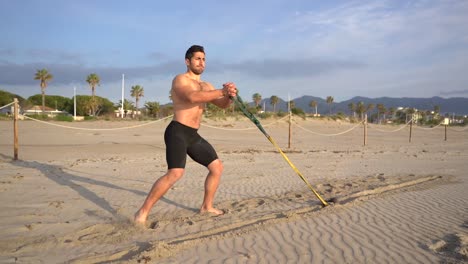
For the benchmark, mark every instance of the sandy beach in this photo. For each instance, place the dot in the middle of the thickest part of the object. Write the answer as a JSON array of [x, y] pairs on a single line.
[[71, 196]]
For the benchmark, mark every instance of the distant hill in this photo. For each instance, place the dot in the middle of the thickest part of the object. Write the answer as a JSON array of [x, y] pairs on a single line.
[[457, 105]]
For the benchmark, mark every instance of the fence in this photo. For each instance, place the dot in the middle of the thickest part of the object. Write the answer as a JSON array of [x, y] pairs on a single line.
[[291, 121]]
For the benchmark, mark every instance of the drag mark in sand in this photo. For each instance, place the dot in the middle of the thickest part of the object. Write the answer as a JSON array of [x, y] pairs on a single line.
[[252, 215]]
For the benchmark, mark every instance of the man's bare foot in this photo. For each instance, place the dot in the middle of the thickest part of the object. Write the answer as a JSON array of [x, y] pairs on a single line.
[[213, 211], [139, 218]]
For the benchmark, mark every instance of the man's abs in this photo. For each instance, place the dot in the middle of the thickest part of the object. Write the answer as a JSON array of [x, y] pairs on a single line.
[[189, 117]]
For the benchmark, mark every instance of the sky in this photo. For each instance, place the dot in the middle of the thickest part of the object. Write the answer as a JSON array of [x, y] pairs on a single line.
[[286, 48]]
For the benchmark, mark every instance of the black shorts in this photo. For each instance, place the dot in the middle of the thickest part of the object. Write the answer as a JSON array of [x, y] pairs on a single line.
[[182, 140]]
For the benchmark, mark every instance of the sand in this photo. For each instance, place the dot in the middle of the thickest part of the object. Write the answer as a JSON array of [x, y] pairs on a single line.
[[71, 196]]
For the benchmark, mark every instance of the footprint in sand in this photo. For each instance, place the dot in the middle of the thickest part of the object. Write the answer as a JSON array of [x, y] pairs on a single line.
[[154, 225], [56, 204], [453, 246]]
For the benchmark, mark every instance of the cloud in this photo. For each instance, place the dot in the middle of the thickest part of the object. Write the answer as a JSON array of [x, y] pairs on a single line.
[[455, 92], [281, 68], [52, 55], [23, 74]]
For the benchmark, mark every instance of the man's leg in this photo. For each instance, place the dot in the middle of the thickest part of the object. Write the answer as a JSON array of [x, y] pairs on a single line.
[[160, 187], [211, 185]]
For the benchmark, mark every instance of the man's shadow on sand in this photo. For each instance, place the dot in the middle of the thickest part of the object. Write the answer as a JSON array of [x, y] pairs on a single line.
[[59, 176]]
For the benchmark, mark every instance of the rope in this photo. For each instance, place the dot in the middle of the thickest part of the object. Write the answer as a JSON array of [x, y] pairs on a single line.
[[96, 129], [7, 105], [457, 130], [243, 129], [329, 135], [392, 131], [429, 128]]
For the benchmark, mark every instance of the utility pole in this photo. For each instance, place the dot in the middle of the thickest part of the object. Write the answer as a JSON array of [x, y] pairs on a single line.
[[74, 103], [122, 105]]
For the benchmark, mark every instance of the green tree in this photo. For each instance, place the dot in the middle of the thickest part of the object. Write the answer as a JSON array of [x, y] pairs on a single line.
[[137, 92], [93, 80], [274, 101], [370, 107], [44, 77], [352, 109], [153, 108], [7, 97], [410, 114], [257, 98], [361, 109], [53, 101], [436, 110], [392, 111], [85, 104], [330, 100], [313, 104], [381, 110], [128, 106]]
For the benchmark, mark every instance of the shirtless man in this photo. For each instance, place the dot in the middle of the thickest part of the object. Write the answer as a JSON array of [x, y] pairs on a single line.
[[189, 95]]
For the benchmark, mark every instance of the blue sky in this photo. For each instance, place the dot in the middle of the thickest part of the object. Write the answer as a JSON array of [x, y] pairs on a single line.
[[286, 48]]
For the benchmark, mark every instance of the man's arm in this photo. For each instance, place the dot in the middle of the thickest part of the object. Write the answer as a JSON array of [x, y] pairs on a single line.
[[192, 92], [223, 102], [229, 90]]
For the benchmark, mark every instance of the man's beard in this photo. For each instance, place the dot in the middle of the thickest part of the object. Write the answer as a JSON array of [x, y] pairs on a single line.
[[197, 71]]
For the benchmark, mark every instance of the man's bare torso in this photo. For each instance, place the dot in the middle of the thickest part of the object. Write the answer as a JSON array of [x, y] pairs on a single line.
[[187, 112]]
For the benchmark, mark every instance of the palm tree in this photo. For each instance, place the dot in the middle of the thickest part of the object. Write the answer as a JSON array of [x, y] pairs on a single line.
[[153, 108], [361, 109], [410, 111], [330, 102], [137, 92], [370, 107], [352, 108], [44, 76], [257, 98], [274, 101], [313, 104], [392, 111], [436, 110], [381, 110], [93, 80], [127, 105]]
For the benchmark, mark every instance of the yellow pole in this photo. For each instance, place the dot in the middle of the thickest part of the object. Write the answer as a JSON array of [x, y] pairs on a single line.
[[324, 203], [290, 124]]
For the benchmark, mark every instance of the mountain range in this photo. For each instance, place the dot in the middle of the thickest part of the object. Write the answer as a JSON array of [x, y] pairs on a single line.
[[450, 106]]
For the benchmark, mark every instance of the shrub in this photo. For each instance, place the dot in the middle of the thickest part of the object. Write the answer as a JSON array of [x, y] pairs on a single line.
[[90, 118], [66, 118], [265, 115]]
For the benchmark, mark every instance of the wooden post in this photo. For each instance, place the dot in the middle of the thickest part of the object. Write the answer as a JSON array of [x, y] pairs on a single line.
[[445, 132], [410, 129], [15, 130], [365, 129], [290, 129]]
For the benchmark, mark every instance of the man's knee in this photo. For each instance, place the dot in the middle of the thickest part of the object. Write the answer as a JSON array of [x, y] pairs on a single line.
[[173, 175], [216, 167]]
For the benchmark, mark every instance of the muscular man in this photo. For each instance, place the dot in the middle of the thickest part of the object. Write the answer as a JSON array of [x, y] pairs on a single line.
[[189, 95]]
